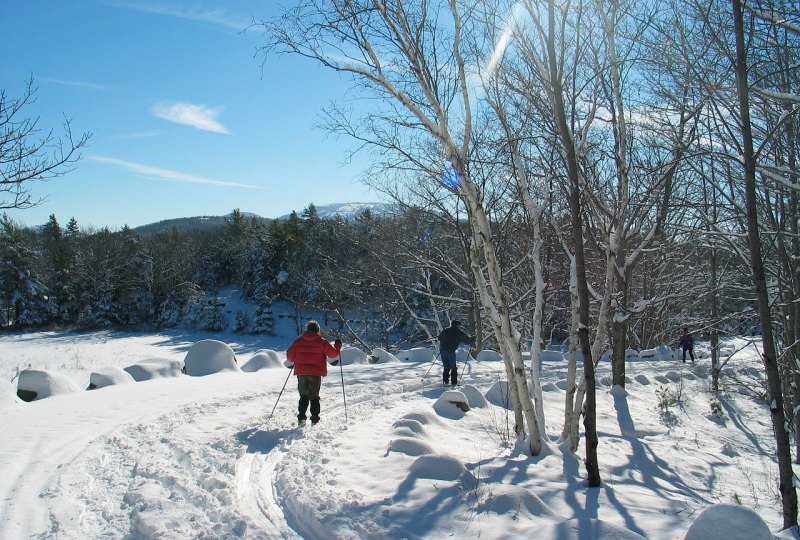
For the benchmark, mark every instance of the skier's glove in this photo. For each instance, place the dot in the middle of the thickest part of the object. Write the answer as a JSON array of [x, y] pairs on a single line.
[[338, 344]]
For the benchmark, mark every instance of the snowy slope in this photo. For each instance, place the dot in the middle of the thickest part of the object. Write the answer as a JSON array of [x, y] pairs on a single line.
[[200, 457]]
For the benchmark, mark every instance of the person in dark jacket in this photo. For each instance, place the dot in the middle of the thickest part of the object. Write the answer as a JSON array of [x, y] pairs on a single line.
[[687, 344], [449, 340], [308, 354]]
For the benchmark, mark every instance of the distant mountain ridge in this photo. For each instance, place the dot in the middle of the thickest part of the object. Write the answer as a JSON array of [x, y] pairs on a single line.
[[346, 211]]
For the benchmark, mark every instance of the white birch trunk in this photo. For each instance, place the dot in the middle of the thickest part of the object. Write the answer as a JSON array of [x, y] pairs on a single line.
[[506, 331], [572, 364], [494, 319]]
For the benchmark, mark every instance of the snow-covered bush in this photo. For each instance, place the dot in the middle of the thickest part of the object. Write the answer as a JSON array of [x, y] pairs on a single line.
[[155, 368], [488, 355], [499, 394], [716, 408], [168, 314], [35, 384], [350, 355], [417, 354], [209, 356], [89, 319], [109, 376], [262, 359], [451, 404], [382, 356]]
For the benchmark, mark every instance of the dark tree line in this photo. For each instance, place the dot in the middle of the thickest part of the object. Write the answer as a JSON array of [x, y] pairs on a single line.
[[383, 279]]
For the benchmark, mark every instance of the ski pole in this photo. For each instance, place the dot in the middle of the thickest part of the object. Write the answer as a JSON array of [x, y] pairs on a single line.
[[466, 362], [344, 398], [430, 367], [281, 392]]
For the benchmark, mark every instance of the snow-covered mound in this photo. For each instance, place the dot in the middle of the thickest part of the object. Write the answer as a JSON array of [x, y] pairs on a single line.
[[209, 356], [451, 404], [351, 355], [474, 396], [500, 395], [462, 355], [8, 397], [109, 376], [410, 446], [37, 384], [417, 354], [546, 355], [155, 368], [263, 359], [728, 522], [664, 353], [648, 354], [505, 499], [382, 356], [440, 467], [488, 355]]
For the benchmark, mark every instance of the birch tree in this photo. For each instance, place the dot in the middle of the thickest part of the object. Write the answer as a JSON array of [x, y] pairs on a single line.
[[410, 57]]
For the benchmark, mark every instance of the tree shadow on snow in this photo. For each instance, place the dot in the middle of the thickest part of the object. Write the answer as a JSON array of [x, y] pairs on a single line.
[[644, 467], [416, 520]]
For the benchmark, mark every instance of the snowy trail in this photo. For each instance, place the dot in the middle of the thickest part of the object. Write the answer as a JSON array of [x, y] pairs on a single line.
[[201, 462], [116, 466]]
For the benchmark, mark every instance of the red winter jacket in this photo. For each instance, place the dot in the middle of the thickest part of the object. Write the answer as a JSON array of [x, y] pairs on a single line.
[[309, 352]]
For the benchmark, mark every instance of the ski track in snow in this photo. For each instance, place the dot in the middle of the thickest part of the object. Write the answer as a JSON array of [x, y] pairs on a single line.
[[118, 478]]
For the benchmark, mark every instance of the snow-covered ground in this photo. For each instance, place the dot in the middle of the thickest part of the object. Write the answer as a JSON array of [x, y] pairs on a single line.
[[200, 457]]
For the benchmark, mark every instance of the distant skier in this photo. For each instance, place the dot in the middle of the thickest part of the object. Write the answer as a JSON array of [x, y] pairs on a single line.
[[449, 340], [308, 354], [687, 344]]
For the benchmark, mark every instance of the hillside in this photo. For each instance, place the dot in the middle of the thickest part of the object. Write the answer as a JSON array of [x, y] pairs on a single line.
[[347, 211]]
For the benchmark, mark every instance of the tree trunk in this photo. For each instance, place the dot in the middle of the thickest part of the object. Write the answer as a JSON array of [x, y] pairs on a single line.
[[499, 307], [573, 173], [572, 368], [785, 473]]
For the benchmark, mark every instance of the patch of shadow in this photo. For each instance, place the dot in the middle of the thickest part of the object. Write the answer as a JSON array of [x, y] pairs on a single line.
[[260, 441]]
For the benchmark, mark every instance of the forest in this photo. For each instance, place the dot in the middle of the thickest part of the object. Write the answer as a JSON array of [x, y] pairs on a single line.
[[400, 274]]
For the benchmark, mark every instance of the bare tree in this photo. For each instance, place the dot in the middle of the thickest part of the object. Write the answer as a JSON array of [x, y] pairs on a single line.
[[410, 56], [749, 160], [27, 154]]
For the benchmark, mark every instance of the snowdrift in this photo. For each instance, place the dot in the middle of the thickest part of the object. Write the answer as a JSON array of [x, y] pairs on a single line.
[[209, 356]]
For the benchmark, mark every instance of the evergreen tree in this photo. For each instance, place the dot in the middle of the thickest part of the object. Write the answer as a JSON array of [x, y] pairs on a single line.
[[25, 298]]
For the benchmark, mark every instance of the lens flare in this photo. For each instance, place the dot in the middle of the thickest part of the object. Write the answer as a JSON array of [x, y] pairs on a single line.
[[451, 178]]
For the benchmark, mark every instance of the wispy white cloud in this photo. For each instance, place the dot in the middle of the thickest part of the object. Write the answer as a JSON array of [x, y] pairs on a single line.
[[139, 135], [189, 114], [218, 16], [79, 84], [158, 173]]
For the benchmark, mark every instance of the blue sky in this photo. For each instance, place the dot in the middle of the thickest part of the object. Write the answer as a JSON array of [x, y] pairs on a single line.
[[184, 121]]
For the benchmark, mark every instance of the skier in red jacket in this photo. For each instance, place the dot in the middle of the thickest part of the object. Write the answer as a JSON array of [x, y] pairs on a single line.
[[309, 354]]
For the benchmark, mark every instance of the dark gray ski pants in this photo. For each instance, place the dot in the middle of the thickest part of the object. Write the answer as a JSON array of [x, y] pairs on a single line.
[[308, 386]]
